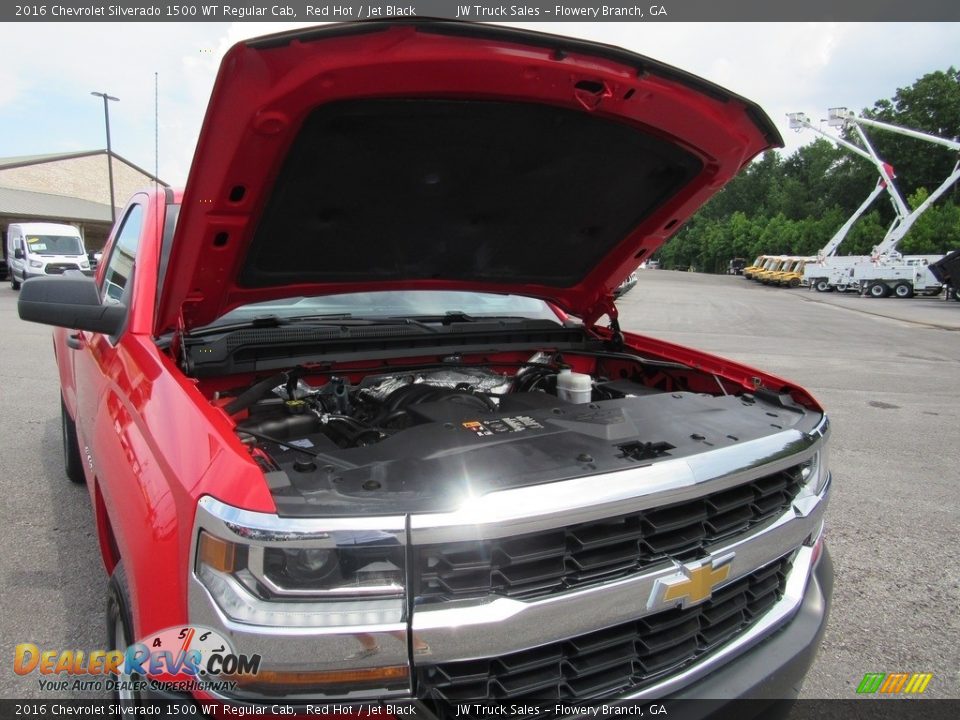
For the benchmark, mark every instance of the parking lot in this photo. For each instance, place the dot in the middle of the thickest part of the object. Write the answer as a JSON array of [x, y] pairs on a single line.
[[886, 370]]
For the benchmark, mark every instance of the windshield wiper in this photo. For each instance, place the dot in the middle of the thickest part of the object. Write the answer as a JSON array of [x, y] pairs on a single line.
[[343, 320], [416, 322], [458, 316]]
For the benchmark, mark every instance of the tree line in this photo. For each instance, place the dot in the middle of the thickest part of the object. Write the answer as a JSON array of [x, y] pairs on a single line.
[[793, 205]]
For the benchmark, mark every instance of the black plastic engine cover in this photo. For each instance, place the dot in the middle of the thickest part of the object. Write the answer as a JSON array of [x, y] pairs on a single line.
[[432, 467]]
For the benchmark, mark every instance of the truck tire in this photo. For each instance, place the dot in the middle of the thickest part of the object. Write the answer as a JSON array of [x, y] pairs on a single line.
[[903, 290], [878, 290], [72, 462], [822, 285], [13, 283], [120, 631]]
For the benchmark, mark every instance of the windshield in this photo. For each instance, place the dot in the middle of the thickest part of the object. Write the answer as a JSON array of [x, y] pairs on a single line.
[[54, 245], [394, 304]]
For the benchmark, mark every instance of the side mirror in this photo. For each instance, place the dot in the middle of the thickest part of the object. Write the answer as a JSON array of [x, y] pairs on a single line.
[[18, 254], [69, 301]]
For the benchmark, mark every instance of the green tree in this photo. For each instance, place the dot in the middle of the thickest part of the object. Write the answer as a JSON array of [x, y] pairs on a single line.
[[935, 232], [864, 236], [794, 205], [931, 105]]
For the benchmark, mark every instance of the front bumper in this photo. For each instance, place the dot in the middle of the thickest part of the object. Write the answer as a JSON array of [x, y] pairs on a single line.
[[767, 674]]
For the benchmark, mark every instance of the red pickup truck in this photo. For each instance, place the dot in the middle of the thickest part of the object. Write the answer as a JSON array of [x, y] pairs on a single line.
[[348, 404]]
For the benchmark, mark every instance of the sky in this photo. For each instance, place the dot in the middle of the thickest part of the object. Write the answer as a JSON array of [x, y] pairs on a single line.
[[50, 69]]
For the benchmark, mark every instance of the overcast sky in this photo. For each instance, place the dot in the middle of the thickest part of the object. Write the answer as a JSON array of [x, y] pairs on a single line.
[[49, 70]]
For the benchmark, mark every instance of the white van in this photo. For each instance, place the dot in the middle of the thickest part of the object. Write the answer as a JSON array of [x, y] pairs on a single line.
[[35, 249]]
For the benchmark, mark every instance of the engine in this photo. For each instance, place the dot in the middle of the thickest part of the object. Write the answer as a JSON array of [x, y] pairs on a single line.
[[383, 405], [286, 411]]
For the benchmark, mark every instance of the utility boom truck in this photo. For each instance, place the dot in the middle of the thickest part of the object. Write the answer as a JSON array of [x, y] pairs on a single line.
[[887, 272], [831, 271]]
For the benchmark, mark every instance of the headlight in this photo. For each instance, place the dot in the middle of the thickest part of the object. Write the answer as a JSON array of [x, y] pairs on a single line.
[[814, 472], [368, 570], [36, 263], [282, 577], [339, 582], [85, 264]]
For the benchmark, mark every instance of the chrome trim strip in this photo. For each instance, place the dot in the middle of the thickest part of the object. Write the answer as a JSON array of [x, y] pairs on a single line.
[[268, 529], [493, 626], [530, 509]]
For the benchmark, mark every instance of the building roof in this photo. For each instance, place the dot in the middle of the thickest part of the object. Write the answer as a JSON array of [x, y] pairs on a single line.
[[28, 204], [7, 163]]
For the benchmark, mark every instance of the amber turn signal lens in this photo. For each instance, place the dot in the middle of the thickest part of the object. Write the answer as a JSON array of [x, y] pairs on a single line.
[[388, 675], [216, 553]]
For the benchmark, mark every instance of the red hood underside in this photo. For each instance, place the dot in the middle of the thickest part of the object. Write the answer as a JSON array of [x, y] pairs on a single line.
[[440, 155]]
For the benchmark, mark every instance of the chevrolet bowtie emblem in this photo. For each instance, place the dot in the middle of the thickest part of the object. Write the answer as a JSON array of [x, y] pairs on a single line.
[[691, 584]]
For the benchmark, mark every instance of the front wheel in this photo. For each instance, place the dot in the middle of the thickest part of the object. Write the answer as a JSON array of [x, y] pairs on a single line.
[[13, 283], [120, 634], [903, 290]]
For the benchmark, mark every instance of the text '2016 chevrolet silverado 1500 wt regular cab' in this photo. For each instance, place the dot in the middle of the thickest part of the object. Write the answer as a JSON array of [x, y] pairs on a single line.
[[347, 403]]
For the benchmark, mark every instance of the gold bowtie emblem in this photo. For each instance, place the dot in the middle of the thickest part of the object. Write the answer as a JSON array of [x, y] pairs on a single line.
[[692, 584]]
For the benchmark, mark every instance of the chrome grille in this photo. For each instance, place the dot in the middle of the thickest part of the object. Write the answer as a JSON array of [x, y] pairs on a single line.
[[59, 268], [539, 564], [614, 660]]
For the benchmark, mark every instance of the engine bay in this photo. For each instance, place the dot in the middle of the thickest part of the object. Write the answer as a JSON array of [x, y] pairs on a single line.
[[421, 438]]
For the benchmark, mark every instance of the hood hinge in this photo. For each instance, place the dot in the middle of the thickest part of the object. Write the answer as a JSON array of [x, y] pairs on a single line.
[[616, 340], [178, 347], [606, 306]]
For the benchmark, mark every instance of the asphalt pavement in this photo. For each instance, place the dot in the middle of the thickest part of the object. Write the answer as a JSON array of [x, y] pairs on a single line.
[[885, 369]]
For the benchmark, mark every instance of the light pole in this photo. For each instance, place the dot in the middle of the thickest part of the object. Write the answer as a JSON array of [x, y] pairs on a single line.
[[106, 119]]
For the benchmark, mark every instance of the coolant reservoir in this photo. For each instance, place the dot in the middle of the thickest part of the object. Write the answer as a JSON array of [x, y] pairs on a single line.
[[574, 387]]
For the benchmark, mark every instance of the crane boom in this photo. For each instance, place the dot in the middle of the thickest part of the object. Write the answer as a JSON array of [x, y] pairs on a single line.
[[841, 117], [831, 247], [800, 120]]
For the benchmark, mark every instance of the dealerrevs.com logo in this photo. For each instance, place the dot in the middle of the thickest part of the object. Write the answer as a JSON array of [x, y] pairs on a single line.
[[181, 659]]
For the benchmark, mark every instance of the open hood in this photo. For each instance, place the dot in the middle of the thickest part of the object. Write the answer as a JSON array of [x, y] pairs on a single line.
[[442, 155]]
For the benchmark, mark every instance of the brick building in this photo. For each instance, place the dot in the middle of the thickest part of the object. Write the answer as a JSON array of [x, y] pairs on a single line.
[[71, 188]]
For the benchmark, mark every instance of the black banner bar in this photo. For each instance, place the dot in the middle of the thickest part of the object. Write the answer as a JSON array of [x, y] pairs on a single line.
[[485, 11], [854, 709]]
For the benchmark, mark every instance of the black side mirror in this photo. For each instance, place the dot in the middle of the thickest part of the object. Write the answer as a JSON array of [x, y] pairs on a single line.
[[18, 254], [70, 301]]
